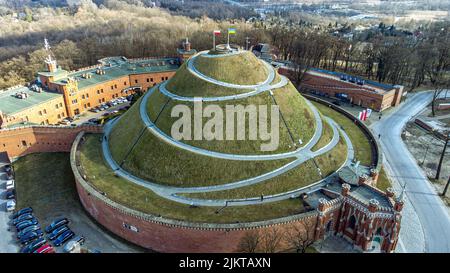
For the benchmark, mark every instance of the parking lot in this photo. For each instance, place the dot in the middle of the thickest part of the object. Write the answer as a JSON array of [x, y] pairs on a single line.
[[7, 242], [45, 183], [100, 112]]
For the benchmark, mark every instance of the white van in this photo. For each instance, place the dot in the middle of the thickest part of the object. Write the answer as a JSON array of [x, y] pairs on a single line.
[[10, 205], [9, 185]]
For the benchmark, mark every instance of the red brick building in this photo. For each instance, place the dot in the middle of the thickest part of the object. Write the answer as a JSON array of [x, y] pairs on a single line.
[[60, 93], [344, 87]]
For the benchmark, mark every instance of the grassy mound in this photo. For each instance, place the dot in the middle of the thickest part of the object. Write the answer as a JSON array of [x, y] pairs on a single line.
[[184, 83], [244, 68], [359, 140], [139, 198], [301, 176], [299, 121], [145, 155]]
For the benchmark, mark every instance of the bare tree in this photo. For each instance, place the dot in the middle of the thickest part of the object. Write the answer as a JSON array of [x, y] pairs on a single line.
[[271, 240], [250, 242], [300, 236]]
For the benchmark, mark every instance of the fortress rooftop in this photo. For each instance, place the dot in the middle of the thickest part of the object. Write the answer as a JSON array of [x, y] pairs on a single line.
[[116, 67], [11, 103]]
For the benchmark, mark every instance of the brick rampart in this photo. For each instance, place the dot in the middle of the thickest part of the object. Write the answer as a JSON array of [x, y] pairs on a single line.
[[25, 140], [169, 235]]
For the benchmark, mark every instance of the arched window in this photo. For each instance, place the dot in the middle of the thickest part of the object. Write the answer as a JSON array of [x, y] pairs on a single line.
[[352, 222]]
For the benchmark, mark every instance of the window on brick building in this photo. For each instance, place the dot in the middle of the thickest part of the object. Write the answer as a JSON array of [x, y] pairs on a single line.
[[151, 79], [98, 91], [62, 114], [56, 106], [148, 80], [136, 81], [24, 143], [101, 90], [87, 95], [74, 101], [45, 111], [162, 78], [124, 83], [112, 87], [59, 115], [115, 85], [89, 104], [40, 113], [60, 104]]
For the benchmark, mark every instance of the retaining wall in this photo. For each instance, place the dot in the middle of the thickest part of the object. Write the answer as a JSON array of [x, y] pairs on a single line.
[[25, 140], [169, 235]]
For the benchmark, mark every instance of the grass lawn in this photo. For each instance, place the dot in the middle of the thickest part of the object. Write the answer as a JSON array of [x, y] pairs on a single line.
[[297, 114], [294, 109], [142, 199], [45, 182], [361, 144], [299, 177], [245, 68], [155, 160], [326, 137], [383, 182], [184, 83]]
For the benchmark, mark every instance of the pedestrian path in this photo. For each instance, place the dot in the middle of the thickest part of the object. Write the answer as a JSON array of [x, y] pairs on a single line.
[[299, 156]]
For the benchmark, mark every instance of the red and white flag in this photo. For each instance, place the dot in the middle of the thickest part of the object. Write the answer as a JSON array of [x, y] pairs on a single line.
[[363, 115], [216, 32]]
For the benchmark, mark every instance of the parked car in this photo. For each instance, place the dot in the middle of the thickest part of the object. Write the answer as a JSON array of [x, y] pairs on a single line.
[[56, 223], [33, 228], [24, 224], [29, 237], [23, 217], [34, 245], [45, 249], [58, 231], [61, 239], [10, 185], [10, 205], [336, 103], [22, 211], [27, 219], [92, 120], [11, 194], [70, 246]]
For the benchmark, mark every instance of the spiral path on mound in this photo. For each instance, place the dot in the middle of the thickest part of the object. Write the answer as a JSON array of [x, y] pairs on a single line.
[[301, 155]]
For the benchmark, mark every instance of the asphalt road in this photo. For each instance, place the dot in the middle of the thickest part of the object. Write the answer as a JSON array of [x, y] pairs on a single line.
[[428, 206]]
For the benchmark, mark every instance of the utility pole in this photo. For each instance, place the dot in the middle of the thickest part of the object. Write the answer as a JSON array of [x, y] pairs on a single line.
[[446, 187], [247, 42], [438, 171]]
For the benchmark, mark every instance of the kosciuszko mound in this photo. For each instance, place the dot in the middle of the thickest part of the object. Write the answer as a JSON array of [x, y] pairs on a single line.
[[225, 150], [226, 156], [151, 154]]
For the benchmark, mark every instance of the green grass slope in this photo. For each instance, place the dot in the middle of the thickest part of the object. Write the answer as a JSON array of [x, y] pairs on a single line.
[[148, 157], [184, 83], [244, 68], [139, 198]]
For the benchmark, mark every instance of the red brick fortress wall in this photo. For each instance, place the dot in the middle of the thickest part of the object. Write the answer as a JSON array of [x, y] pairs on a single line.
[[37, 139], [168, 235]]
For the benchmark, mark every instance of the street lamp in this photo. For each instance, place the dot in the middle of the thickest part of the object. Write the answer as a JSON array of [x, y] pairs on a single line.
[[438, 171]]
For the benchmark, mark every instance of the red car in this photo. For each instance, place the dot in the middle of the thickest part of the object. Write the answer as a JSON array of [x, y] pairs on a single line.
[[45, 249]]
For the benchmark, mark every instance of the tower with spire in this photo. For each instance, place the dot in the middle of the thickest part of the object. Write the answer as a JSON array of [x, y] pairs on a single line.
[[185, 52], [50, 61]]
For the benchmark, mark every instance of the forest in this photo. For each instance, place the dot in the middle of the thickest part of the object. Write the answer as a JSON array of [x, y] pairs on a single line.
[[80, 35]]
